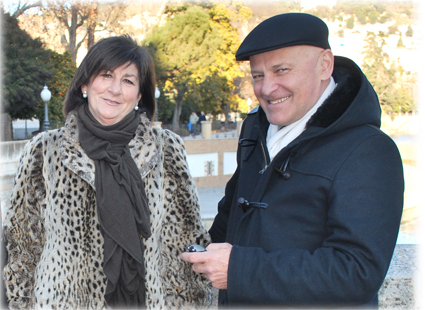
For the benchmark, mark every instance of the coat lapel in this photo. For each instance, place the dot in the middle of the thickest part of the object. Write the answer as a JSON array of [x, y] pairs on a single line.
[[143, 149], [72, 154]]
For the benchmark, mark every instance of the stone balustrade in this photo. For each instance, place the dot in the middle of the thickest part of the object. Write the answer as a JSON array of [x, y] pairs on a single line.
[[397, 291]]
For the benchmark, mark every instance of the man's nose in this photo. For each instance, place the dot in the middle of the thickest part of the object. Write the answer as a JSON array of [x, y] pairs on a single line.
[[268, 86]]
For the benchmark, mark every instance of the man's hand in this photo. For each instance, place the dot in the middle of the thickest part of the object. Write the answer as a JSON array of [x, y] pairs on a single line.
[[213, 263]]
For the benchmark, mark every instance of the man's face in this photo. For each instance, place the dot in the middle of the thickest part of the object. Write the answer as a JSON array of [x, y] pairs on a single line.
[[289, 81]]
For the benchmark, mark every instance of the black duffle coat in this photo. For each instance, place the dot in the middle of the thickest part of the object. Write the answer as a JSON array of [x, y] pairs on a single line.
[[317, 225]]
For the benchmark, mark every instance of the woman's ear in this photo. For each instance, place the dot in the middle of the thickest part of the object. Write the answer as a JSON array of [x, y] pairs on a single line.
[[327, 64], [83, 88]]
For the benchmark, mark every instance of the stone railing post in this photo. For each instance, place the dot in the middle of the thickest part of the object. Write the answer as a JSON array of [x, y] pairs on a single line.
[[156, 124], [238, 128], [206, 129]]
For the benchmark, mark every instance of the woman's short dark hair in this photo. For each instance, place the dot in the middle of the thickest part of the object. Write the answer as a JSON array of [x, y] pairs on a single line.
[[106, 55]]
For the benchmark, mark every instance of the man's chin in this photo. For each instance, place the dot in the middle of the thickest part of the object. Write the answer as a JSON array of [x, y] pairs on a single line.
[[277, 122]]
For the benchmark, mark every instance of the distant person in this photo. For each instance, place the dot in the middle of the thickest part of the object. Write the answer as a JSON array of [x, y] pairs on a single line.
[[102, 207], [193, 119], [310, 217], [202, 118]]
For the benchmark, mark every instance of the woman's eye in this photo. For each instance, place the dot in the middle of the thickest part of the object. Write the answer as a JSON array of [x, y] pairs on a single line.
[[106, 75], [129, 81]]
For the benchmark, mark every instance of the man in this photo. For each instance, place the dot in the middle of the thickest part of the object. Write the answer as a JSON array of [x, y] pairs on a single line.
[[202, 118], [310, 217], [193, 119]]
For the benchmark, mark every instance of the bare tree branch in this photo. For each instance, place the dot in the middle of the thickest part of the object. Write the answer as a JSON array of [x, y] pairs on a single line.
[[25, 6]]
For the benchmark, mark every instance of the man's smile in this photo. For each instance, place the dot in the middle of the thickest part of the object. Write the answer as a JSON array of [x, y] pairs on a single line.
[[278, 100]]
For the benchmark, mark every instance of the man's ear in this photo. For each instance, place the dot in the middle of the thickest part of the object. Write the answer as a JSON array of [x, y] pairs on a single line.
[[327, 64]]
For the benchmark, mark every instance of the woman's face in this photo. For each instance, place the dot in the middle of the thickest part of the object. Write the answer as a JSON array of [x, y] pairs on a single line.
[[113, 94]]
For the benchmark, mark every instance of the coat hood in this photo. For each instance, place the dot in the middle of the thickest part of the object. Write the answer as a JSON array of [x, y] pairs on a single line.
[[353, 103]]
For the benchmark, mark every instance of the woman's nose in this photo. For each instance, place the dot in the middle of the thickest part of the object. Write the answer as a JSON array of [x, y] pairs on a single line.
[[115, 87]]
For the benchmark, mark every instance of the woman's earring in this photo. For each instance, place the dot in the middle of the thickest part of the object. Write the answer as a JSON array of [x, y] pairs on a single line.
[[84, 94], [136, 107]]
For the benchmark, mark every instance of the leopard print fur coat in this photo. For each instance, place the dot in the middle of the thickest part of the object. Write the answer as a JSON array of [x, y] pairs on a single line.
[[52, 231]]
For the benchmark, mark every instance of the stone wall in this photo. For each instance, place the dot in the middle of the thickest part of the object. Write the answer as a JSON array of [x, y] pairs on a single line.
[[5, 127], [10, 152], [398, 289], [219, 146]]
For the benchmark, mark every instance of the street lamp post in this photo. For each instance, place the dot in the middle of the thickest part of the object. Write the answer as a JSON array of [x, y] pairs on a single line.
[[157, 93], [45, 96], [249, 102]]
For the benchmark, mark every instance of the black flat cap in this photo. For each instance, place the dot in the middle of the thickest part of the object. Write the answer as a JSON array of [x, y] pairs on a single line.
[[284, 30]]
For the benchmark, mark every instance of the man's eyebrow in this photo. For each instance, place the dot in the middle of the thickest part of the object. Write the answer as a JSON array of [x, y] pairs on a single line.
[[279, 65], [256, 71], [274, 67]]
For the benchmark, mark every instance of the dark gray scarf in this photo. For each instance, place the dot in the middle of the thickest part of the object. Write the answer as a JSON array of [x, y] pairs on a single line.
[[122, 206]]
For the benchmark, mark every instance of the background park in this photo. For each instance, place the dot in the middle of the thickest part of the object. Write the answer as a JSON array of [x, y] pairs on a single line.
[[193, 45]]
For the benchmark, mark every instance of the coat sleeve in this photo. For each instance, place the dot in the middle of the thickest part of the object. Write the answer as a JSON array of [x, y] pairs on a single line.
[[23, 227], [364, 211], [184, 220]]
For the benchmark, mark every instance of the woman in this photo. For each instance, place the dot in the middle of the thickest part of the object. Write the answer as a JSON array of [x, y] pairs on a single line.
[[102, 208]]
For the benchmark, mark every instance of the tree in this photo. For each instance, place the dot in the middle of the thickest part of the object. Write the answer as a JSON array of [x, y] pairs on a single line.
[[383, 79], [24, 6], [181, 48], [225, 69], [400, 41], [63, 70], [409, 31], [26, 70], [67, 25], [350, 23], [105, 18], [195, 43], [361, 17], [373, 17], [214, 93], [71, 15], [393, 29]]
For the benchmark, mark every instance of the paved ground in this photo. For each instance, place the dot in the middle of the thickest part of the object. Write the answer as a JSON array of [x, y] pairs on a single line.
[[209, 197]]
